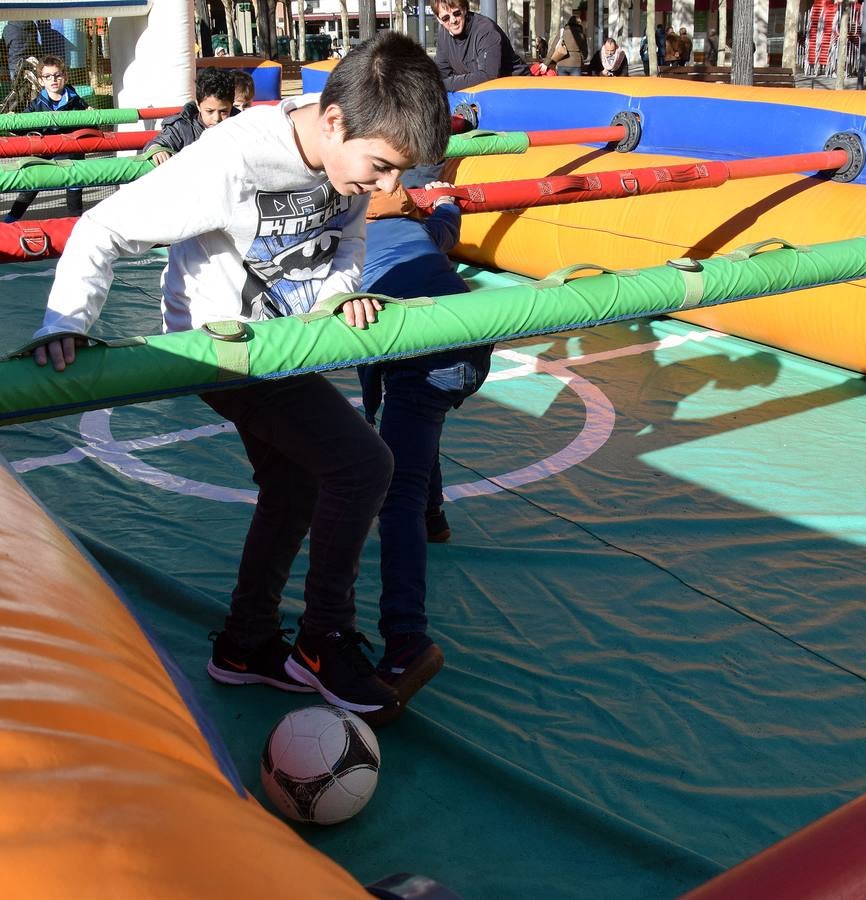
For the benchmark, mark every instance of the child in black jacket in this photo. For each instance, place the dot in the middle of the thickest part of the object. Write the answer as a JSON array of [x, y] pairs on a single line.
[[214, 99], [56, 96]]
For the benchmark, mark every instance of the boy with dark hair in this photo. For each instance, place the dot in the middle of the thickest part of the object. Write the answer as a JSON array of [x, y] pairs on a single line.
[[266, 217], [245, 90], [55, 96], [214, 102], [406, 257]]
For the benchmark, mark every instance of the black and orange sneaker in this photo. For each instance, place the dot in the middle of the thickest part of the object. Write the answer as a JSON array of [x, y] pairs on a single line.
[[409, 662], [335, 665], [264, 665], [438, 530]]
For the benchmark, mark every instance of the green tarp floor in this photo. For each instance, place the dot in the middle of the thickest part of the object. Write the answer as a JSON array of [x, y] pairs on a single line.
[[652, 606]]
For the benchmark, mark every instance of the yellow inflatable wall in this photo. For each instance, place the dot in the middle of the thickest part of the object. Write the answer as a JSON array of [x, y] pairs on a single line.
[[828, 323]]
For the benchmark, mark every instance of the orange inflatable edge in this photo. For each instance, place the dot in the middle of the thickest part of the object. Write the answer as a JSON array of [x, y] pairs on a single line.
[[110, 789]]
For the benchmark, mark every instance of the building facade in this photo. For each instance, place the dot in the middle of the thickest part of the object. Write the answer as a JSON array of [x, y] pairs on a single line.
[[818, 24]]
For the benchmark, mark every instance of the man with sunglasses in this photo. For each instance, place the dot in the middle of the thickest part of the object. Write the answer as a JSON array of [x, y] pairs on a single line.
[[471, 48]]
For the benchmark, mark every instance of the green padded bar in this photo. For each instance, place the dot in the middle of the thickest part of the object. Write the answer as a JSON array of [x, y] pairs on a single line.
[[487, 143], [79, 118], [189, 362], [31, 173]]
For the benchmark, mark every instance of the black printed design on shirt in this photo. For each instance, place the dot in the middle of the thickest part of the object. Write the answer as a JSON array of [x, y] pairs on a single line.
[[297, 235]]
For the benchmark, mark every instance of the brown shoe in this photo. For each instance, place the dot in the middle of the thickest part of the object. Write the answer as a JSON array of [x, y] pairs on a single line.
[[410, 661], [438, 530]]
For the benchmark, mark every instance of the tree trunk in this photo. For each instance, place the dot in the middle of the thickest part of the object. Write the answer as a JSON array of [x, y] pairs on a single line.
[[344, 26], [302, 30], [555, 24], [723, 32], [502, 15], [366, 19], [266, 29], [743, 46], [398, 22], [861, 65], [789, 46], [290, 31], [842, 47], [619, 20], [204, 27], [651, 47], [230, 26]]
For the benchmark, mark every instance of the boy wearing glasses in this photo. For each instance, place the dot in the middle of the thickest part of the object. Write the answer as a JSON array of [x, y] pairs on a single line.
[[56, 96], [470, 48]]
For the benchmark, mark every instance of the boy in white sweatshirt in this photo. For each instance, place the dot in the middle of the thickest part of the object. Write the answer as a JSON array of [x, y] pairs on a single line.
[[265, 216]]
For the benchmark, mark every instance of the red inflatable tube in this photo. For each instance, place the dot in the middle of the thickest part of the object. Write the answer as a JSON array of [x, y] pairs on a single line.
[[158, 112], [824, 160], [623, 182], [600, 135], [85, 140], [39, 239], [575, 188]]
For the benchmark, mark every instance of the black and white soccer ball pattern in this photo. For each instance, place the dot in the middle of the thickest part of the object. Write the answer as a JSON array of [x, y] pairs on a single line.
[[320, 764]]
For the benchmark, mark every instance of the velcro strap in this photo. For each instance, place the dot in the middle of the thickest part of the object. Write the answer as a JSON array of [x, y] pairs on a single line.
[[327, 308], [693, 283], [88, 341], [692, 273], [230, 344]]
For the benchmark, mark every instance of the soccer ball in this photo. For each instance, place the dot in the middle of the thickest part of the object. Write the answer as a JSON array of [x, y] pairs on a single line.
[[320, 764]]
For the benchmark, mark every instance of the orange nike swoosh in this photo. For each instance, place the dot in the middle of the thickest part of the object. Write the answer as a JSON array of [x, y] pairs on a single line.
[[314, 665], [241, 667]]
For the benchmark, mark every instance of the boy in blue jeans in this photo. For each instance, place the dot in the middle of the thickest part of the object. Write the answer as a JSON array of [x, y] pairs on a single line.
[[265, 217], [406, 257]]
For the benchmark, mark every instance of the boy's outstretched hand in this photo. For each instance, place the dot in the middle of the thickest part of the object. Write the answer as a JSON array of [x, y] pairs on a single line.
[[361, 312], [61, 352]]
